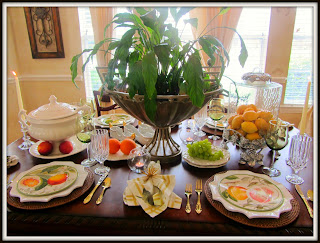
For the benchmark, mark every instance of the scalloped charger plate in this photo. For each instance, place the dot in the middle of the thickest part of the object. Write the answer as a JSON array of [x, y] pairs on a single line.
[[202, 163], [46, 193], [252, 194]]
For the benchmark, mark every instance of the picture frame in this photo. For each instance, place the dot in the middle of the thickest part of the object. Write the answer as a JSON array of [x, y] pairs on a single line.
[[44, 30]]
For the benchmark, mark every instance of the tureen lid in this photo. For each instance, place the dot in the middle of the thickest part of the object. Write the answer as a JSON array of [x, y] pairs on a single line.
[[53, 110]]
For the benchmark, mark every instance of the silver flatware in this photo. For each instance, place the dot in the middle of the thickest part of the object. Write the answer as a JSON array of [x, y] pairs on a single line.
[[298, 188], [88, 198], [106, 184]]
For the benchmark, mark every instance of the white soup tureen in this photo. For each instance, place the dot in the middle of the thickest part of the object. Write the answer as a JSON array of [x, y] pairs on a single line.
[[53, 122]]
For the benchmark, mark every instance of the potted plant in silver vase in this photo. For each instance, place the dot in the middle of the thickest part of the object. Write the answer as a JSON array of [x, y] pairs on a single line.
[[155, 76]]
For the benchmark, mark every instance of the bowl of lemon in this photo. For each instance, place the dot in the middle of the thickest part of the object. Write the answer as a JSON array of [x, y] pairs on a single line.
[[246, 129]]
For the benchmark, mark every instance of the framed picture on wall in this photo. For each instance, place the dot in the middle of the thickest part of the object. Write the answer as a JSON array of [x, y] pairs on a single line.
[[44, 31]]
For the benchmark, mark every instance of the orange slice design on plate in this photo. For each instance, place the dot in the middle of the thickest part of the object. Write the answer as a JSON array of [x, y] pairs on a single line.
[[238, 192]]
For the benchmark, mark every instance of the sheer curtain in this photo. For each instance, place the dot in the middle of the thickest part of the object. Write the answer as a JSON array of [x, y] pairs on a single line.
[[229, 19], [100, 18]]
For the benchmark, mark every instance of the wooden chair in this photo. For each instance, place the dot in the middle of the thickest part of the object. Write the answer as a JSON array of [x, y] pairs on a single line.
[[100, 107]]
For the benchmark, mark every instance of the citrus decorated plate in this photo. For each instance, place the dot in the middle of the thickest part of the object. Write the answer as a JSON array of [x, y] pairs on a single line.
[[202, 163], [254, 195], [114, 119], [43, 182]]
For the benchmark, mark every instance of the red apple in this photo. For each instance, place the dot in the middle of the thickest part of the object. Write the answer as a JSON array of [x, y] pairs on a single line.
[[66, 147], [45, 148]]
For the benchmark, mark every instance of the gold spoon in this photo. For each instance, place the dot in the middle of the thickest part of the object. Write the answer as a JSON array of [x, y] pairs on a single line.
[[106, 184], [310, 195]]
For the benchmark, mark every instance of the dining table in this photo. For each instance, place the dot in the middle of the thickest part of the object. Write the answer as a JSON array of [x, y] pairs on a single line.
[[113, 218]]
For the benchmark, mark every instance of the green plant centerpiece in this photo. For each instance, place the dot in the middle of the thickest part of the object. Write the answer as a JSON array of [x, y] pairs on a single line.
[[155, 76]]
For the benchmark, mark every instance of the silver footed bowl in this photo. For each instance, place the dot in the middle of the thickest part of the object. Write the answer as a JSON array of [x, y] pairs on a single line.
[[171, 109]]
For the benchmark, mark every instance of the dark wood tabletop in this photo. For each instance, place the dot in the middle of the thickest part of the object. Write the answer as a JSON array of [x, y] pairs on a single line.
[[113, 218]]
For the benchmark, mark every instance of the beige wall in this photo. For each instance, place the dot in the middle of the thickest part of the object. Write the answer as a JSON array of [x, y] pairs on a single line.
[[39, 78]]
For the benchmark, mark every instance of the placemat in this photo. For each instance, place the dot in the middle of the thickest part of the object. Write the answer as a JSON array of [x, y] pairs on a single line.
[[284, 219], [15, 201]]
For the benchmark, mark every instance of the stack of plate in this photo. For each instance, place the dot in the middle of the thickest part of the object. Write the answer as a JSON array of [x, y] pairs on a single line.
[[47, 181], [202, 163], [210, 124]]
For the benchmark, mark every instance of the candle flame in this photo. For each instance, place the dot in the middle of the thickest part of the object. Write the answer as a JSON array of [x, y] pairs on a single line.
[[14, 73]]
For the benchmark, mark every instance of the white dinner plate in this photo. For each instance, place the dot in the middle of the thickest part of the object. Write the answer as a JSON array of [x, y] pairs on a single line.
[[202, 163], [44, 182], [252, 194], [116, 119], [77, 148]]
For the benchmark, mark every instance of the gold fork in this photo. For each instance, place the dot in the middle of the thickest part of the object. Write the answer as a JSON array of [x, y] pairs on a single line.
[[198, 191], [188, 193]]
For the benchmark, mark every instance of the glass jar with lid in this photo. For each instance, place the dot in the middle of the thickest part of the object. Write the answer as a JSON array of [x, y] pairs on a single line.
[[258, 89], [253, 101]]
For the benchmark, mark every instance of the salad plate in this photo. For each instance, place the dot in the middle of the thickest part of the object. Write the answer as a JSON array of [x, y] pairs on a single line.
[[202, 163], [44, 182], [77, 148], [116, 119], [252, 194]]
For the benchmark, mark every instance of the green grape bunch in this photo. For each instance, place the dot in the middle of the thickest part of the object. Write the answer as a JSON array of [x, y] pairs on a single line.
[[202, 150]]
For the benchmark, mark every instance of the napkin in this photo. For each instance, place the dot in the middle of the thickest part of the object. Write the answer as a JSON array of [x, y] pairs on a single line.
[[153, 192]]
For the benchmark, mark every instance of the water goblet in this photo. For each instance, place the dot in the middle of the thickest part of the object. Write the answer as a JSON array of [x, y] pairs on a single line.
[[200, 119], [100, 149], [216, 113], [276, 139], [300, 149], [84, 136]]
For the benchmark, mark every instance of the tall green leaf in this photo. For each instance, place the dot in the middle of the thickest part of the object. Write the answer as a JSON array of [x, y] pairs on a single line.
[[192, 73], [163, 51], [150, 105], [215, 42], [135, 79], [150, 72]]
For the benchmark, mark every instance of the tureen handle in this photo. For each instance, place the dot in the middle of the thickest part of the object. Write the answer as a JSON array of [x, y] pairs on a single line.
[[23, 120]]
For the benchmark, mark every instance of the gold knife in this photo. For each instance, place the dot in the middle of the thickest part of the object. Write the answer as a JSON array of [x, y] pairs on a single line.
[[88, 198], [298, 188]]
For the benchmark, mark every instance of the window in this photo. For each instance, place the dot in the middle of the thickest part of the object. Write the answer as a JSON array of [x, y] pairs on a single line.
[[91, 78], [253, 26], [300, 65]]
